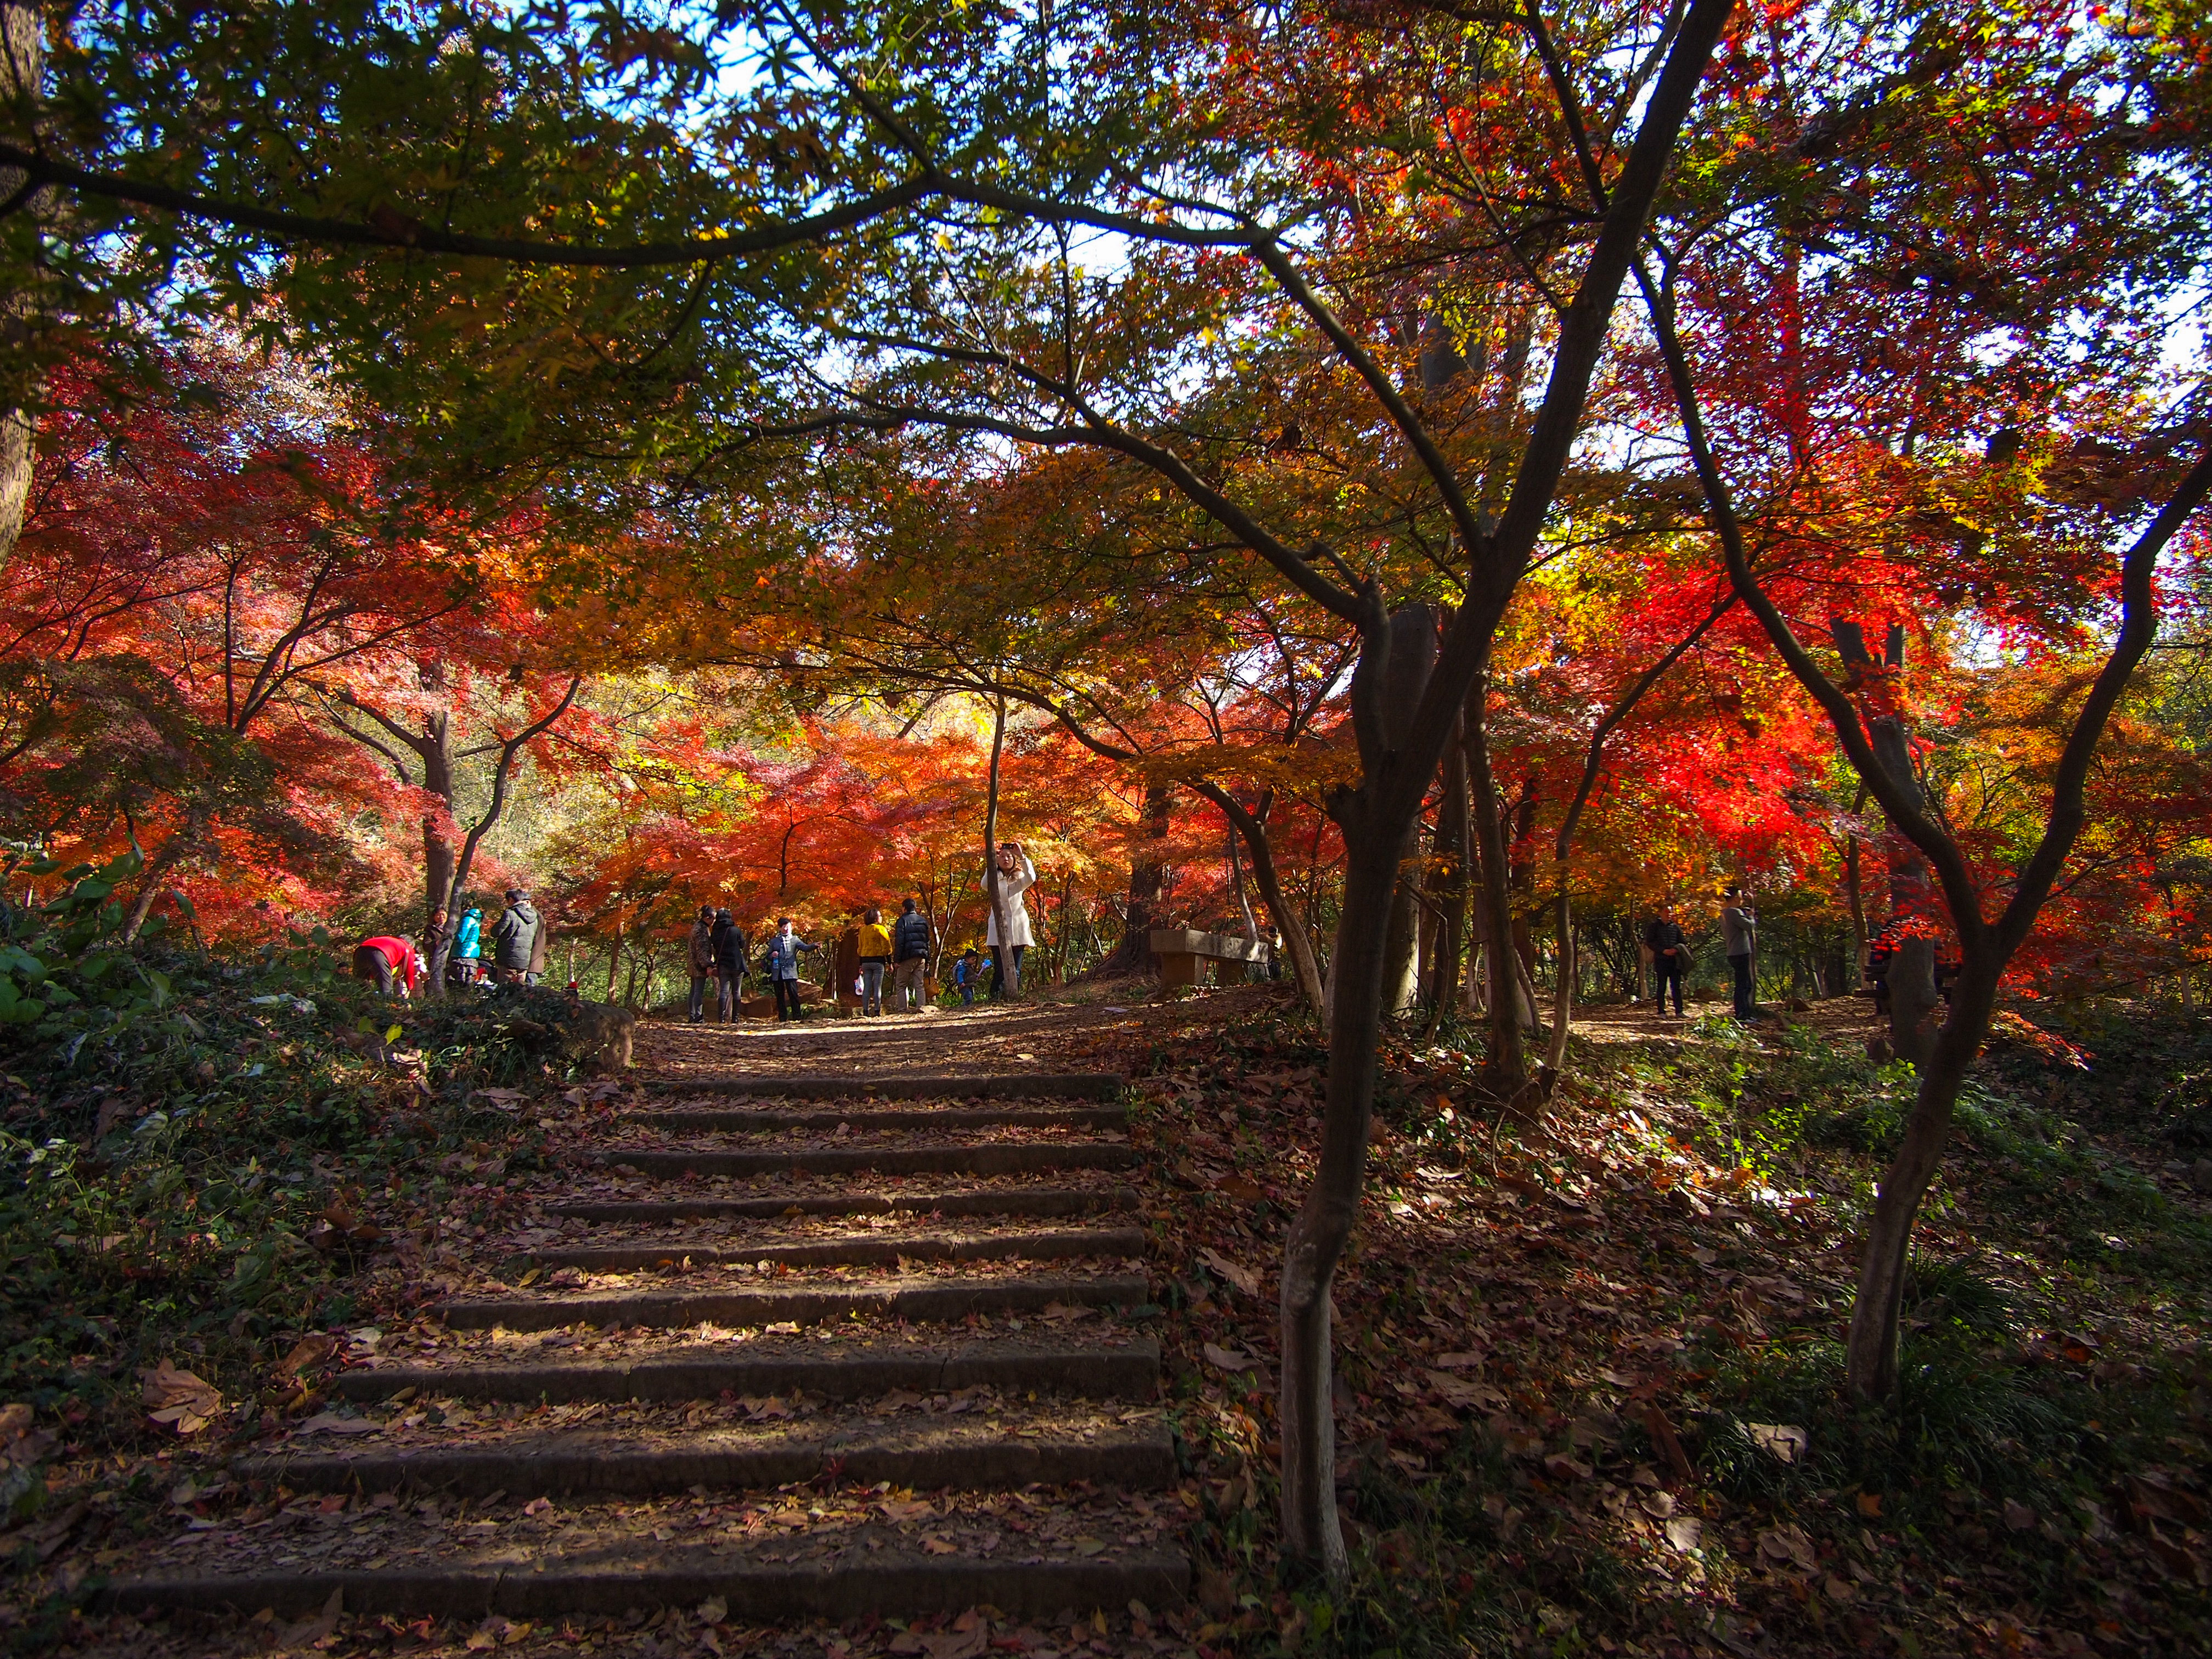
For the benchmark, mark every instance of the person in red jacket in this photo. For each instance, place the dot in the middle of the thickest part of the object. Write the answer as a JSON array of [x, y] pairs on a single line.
[[385, 961]]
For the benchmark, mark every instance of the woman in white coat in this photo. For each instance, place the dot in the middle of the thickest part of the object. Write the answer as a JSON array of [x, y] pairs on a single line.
[[1016, 875]]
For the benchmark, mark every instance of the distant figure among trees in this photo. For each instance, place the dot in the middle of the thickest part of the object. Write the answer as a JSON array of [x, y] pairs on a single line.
[[782, 965], [699, 951], [875, 949], [731, 959], [514, 938], [910, 959], [1739, 927], [1670, 958], [466, 965]]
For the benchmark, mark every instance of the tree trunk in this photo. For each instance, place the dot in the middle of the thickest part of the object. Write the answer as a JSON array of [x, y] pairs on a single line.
[[1000, 916], [1401, 953], [1373, 859], [23, 68], [1870, 1353], [1135, 953], [1455, 829], [1913, 1001], [1287, 922], [1505, 1065]]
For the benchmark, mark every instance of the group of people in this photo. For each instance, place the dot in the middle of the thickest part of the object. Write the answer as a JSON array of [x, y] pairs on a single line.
[[519, 940], [893, 954], [1669, 950]]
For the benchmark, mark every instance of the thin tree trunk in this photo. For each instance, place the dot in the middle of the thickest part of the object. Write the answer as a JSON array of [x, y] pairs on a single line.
[[1504, 1065], [1000, 915], [1135, 953], [23, 71], [1454, 831], [1287, 922]]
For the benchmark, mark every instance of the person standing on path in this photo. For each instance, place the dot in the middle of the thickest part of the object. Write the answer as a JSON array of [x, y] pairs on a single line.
[[701, 947], [730, 947], [875, 947], [514, 937], [1016, 875], [964, 975], [1670, 956], [910, 959], [1739, 927], [782, 964]]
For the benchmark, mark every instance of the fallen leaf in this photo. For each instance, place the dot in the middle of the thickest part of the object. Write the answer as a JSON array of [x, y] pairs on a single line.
[[307, 1351], [538, 1506], [332, 1423], [1683, 1532], [1790, 1544], [179, 1400], [1870, 1505], [2018, 1516], [1240, 1186], [1784, 1442], [937, 1544], [1459, 1361], [713, 1610], [1227, 1359], [1233, 1272]]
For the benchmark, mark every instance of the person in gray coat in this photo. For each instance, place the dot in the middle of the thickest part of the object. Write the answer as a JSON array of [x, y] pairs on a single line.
[[1739, 929], [514, 937]]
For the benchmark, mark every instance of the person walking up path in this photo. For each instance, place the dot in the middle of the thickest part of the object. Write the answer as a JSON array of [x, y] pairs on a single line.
[[700, 950], [1016, 875], [910, 959], [732, 961], [782, 965], [1740, 927], [1669, 957], [875, 944]]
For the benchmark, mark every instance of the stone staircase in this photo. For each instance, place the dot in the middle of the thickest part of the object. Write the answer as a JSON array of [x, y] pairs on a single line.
[[809, 1348]]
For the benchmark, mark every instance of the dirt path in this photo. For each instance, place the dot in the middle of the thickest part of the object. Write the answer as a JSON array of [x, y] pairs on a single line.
[[837, 1320]]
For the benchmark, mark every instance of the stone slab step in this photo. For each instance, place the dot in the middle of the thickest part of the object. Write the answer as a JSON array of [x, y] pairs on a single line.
[[1130, 1370], [892, 1582], [879, 1249], [936, 1301], [884, 1117], [930, 1455], [988, 1158], [1011, 1201], [1026, 1085]]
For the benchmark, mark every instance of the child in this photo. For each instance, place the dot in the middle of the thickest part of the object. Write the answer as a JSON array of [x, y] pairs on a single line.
[[964, 975]]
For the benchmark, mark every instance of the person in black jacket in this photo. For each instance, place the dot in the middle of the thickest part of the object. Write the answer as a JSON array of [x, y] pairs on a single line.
[[910, 959], [730, 964], [1670, 956]]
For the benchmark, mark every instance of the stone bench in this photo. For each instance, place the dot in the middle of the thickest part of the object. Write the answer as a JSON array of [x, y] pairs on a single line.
[[1184, 952]]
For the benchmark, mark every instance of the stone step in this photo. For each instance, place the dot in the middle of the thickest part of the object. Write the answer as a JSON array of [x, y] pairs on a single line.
[[1031, 1085], [879, 1250], [1011, 1449], [940, 1300], [1007, 1201], [1126, 1369], [985, 1158], [862, 1116], [791, 1556]]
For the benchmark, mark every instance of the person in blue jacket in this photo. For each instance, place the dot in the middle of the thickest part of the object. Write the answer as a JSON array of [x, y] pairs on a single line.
[[780, 961], [466, 966]]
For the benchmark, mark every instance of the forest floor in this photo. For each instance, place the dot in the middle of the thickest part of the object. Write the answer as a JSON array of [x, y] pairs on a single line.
[[1587, 1397]]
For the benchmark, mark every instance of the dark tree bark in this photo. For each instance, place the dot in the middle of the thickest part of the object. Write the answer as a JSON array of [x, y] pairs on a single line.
[[23, 68], [1253, 828], [1134, 954]]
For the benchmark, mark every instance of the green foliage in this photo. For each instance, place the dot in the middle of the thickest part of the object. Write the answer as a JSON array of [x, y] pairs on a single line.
[[177, 1127]]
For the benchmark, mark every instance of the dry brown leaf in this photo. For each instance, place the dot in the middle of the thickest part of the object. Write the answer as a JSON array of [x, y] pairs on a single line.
[[1227, 1359], [179, 1400], [1233, 1272]]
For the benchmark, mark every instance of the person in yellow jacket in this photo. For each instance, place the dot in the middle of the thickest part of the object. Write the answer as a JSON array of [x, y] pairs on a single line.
[[875, 958]]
